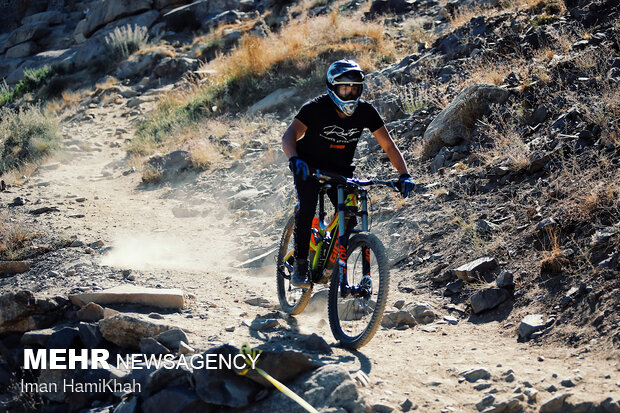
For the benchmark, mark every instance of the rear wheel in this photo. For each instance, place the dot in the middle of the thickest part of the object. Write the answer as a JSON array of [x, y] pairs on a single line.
[[293, 300], [355, 318]]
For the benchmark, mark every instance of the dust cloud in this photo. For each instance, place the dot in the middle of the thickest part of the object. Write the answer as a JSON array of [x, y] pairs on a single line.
[[161, 251]]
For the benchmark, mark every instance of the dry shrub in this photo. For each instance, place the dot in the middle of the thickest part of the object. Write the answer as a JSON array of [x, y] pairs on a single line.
[[299, 41], [492, 71], [553, 261], [587, 193], [14, 236], [507, 146]]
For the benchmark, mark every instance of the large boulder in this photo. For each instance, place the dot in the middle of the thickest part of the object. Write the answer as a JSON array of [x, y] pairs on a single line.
[[50, 17], [126, 330], [106, 11], [27, 32], [22, 311], [454, 123]]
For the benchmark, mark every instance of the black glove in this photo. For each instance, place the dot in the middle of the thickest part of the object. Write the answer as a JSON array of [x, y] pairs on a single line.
[[405, 185], [299, 167]]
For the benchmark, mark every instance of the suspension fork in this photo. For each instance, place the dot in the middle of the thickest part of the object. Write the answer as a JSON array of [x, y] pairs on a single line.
[[342, 241]]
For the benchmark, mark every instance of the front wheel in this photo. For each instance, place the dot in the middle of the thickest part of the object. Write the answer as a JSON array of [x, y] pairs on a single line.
[[293, 300], [355, 318]]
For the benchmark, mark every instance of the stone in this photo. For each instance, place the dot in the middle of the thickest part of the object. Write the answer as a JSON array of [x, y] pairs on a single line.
[[476, 374], [471, 271], [184, 348], [487, 299], [382, 408], [454, 123], [451, 320], [13, 267], [175, 400], [149, 345], [172, 165], [273, 100], [163, 377], [224, 387], [172, 338], [317, 343], [22, 311], [126, 331], [394, 319], [505, 280], [90, 335], [107, 11], [530, 324], [259, 302], [90, 312], [27, 33], [422, 312], [555, 404], [51, 17], [22, 50], [37, 337], [264, 324], [130, 294], [63, 338]]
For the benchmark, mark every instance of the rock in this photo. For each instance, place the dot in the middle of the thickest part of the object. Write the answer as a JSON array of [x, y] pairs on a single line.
[[172, 165], [22, 50], [224, 387], [451, 320], [505, 280], [63, 338], [149, 345], [51, 17], [567, 383], [22, 311], [530, 324], [163, 377], [259, 302], [175, 400], [328, 389], [474, 375], [273, 100], [473, 270], [422, 312], [264, 324], [382, 408], [126, 331], [13, 267], [394, 319], [317, 343], [486, 401], [406, 405], [484, 226], [27, 33], [454, 123], [90, 312], [37, 337], [487, 299], [547, 224], [107, 11], [454, 287], [130, 294], [555, 404], [174, 67], [90, 335], [172, 338], [127, 405], [184, 348]]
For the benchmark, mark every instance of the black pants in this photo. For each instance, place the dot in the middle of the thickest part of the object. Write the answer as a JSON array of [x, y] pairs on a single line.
[[308, 197]]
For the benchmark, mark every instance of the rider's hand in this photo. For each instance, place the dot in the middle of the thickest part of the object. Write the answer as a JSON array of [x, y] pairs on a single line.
[[299, 167], [405, 185]]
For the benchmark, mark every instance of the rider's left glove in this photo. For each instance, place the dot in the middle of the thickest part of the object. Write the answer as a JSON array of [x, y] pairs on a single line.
[[299, 167], [405, 185]]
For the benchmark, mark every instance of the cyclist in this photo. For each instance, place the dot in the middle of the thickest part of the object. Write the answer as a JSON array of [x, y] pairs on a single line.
[[323, 135]]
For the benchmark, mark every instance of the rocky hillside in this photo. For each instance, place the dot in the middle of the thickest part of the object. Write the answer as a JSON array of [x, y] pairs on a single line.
[[507, 114]]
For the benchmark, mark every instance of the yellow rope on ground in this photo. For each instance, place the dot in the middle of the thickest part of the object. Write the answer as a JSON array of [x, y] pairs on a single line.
[[247, 351]]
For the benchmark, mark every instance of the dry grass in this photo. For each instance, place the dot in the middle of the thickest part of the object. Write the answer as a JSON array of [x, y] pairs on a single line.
[[301, 41], [14, 236], [67, 101], [507, 147], [491, 71]]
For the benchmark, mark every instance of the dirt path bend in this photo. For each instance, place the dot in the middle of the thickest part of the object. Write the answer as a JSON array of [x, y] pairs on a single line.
[[98, 200]]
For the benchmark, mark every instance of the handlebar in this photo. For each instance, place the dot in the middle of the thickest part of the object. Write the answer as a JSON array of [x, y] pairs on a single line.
[[328, 177]]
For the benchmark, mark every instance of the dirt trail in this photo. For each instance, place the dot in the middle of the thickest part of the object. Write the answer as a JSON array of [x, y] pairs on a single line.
[[194, 254]]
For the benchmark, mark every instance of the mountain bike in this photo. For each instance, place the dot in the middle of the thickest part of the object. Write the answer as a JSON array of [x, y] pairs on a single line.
[[352, 260]]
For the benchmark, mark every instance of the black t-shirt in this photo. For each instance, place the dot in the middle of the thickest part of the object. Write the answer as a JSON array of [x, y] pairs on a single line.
[[329, 142]]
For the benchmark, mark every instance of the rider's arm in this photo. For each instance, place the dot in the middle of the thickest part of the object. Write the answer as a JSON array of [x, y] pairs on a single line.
[[293, 133], [385, 140]]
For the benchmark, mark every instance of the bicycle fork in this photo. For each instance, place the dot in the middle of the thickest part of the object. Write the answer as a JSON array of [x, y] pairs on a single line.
[[364, 288]]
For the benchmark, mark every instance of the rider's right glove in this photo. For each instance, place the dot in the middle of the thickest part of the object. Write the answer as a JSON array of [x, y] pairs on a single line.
[[299, 167], [405, 185]]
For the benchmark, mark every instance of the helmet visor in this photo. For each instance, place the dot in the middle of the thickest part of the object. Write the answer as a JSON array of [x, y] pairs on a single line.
[[348, 91]]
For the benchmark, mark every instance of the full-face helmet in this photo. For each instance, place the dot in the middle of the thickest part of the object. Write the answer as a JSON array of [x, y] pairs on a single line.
[[345, 83]]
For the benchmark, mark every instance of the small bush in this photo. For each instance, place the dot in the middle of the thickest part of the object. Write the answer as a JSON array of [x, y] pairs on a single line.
[[123, 41], [32, 81], [25, 135]]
